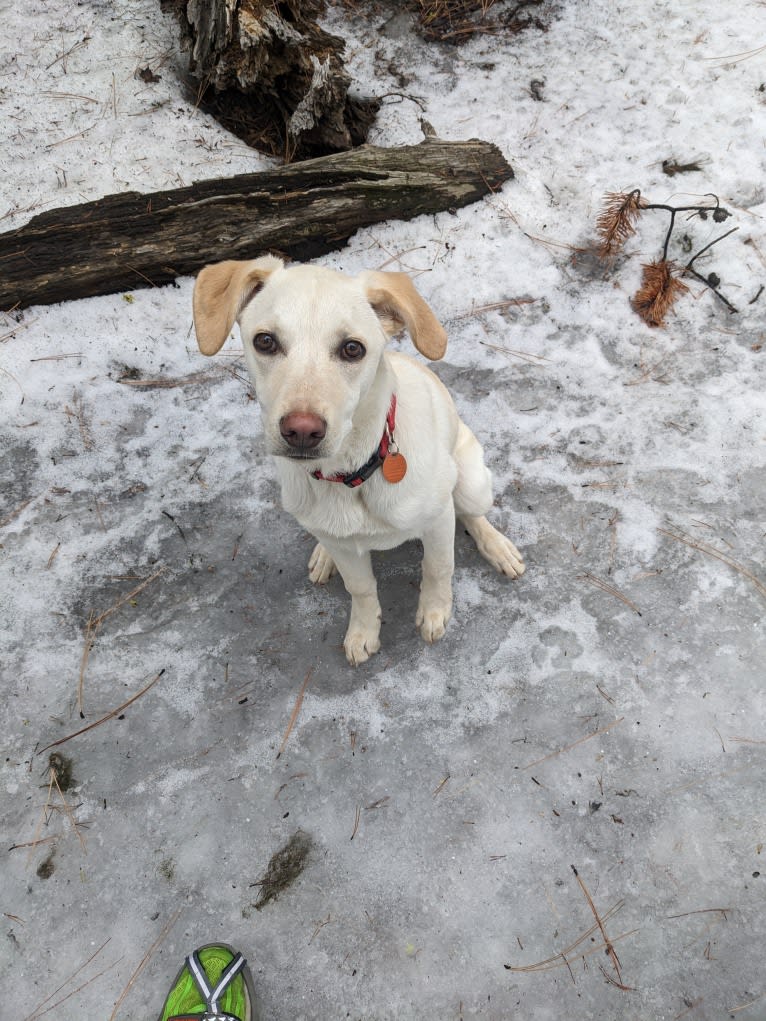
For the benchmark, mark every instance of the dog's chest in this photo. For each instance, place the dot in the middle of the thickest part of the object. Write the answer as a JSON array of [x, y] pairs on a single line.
[[330, 509]]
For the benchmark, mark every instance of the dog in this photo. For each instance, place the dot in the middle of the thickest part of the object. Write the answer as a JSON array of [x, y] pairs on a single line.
[[368, 444]]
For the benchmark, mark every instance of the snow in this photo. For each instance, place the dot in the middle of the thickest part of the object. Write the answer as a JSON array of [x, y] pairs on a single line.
[[553, 725]]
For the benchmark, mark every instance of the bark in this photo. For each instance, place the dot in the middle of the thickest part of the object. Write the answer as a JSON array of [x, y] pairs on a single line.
[[124, 242]]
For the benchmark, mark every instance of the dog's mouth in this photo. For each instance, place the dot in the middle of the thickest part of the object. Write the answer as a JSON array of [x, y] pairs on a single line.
[[300, 455]]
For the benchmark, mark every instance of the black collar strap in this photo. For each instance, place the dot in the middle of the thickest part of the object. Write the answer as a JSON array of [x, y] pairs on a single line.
[[360, 475]]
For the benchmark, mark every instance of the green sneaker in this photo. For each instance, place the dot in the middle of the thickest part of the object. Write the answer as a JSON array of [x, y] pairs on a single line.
[[214, 984]]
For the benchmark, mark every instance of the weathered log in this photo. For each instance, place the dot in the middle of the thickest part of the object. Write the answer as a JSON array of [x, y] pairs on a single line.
[[123, 242], [272, 76]]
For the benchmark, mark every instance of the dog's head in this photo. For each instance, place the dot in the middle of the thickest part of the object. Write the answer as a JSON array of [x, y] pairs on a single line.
[[313, 339]]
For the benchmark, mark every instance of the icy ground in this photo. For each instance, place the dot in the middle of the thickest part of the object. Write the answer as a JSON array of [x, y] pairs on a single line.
[[605, 712]]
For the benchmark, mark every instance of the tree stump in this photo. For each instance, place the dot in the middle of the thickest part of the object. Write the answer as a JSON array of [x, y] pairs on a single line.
[[272, 76]]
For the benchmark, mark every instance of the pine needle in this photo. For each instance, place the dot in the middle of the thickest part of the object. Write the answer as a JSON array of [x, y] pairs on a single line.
[[93, 625], [144, 961], [109, 716], [296, 710], [617, 221], [711, 551], [658, 292], [39, 1011], [611, 952], [574, 744]]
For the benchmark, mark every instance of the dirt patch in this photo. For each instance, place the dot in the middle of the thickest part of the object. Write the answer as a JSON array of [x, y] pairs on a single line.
[[61, 765], [284, 868]]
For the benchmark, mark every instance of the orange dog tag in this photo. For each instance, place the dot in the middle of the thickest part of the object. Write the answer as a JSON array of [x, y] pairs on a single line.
[[394, 467]]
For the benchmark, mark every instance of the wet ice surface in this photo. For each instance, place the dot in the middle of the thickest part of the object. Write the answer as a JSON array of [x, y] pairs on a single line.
[[605, 712]]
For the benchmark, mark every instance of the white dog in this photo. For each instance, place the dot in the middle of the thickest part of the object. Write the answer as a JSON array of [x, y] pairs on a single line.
[[369, 447]]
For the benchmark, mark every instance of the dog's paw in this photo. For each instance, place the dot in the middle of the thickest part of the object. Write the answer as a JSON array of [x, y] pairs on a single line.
[[321, 565], [503, 555], [432, 621], [359, 645]]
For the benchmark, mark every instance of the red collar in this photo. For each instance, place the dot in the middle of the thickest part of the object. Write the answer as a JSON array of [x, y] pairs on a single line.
[[357, 477]]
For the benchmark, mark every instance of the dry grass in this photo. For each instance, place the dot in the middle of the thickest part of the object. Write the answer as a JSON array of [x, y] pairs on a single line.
[[455, 21]]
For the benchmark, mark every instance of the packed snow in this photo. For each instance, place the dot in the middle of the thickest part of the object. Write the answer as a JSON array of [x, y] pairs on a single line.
[[606, 711]]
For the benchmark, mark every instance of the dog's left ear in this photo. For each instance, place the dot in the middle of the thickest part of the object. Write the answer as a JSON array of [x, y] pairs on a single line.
[[398, 305], [221, 291]]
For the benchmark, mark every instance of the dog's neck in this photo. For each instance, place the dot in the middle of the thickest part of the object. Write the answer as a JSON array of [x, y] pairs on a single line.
[[367, 426]]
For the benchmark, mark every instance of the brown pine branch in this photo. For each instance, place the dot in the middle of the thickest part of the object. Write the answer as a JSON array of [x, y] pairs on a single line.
[[617, 221], [659, 290]]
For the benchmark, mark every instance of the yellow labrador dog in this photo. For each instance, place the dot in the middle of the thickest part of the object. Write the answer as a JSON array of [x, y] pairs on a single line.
[[369, 448]]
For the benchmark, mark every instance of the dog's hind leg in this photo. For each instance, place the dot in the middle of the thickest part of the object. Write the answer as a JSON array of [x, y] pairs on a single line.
[[473, 498], [435, 603]]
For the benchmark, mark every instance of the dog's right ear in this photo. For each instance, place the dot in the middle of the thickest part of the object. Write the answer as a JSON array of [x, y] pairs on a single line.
[[221, 292]]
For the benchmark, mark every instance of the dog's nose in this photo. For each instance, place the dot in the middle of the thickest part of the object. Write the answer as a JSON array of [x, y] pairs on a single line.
[[302, 429]]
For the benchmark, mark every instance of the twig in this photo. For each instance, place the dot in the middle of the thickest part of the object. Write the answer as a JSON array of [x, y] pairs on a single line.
[[109, 716], [296, 710], [705, 280]]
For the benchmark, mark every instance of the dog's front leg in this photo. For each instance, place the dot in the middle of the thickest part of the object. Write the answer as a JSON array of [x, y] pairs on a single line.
[[363, 634], [435, 605], [321, 565]]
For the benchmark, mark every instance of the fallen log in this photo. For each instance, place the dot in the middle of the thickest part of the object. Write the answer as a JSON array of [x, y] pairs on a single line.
[[124, 242]]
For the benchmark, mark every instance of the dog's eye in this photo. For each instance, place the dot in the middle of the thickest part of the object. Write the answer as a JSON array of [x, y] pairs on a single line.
[[352, 351], [265, 343]]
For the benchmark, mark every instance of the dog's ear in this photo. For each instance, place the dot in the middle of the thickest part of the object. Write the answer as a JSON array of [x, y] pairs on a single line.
[[221, 292], [398, 305]]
